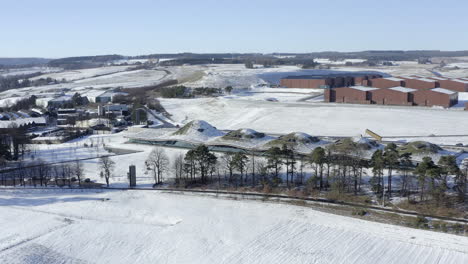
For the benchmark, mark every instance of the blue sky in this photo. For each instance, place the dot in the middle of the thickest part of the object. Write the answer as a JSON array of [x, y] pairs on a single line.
[[59, 28]]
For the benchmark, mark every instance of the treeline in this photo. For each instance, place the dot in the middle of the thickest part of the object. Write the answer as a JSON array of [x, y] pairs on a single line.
[[22, 81], [14, 144], [334, 170], [181, 91], [42, 174], [9, 63], [84, 61], [23, 104]]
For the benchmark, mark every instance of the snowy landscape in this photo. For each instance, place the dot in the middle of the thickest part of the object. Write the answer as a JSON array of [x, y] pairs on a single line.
[[233, 132], [152, 227], [144, 225]]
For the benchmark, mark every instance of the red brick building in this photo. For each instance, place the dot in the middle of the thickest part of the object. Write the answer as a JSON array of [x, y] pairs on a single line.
[[421, 83], [305, 83], [398, 91], [458, 85], [326, 81], [352, 95], [435, 97], [387, 82], [393, 96]]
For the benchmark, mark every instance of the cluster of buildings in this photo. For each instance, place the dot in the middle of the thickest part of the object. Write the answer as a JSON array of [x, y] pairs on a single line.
[[372, 89], [60, 100], [327, 81], [24, 119]]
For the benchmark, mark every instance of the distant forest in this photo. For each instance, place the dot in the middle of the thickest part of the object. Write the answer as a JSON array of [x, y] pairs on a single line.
[[238, 58]]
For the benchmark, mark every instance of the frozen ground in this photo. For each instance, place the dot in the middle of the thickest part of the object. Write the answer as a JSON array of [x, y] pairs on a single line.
[[89, 80], [211, 75], [57, 226], [28, 70], [7, 102], [235, 75], [75, 149], [320, 119], [269, 96], [73, 75]]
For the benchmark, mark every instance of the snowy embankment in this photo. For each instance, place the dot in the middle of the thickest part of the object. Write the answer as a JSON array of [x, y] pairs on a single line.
[[235, 75], [73, 75], [321, 119], [59, 226], [99, 79], [7, 102], [68, 152]]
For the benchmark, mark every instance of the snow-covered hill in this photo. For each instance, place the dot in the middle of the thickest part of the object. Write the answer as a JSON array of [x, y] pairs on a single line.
[[60, 226]]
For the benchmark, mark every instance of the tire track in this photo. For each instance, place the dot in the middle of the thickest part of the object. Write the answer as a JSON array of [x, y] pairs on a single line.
[[67, 221]]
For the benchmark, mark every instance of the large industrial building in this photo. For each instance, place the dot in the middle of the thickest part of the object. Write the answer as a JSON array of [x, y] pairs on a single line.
[[386, 82], [361, 88], [420, 83], [392, 96], [459, 85], [352, 95], [327, 81]]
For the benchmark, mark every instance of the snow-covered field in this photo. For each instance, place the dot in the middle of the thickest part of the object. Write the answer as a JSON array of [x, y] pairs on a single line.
[[28, 70], [269, 96], [7, 102], [212, 75], [84, 73], [235, 75], [319, 119], [75, 149], [102, 79], [66, 226], [62, 226], [339, 62]]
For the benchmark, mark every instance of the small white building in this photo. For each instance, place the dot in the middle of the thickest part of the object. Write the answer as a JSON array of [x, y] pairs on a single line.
[[108, 96], [60, 101]]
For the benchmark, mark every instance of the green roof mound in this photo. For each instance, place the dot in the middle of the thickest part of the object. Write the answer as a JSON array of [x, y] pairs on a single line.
[[294, 139], [243, 134], [419, 147]]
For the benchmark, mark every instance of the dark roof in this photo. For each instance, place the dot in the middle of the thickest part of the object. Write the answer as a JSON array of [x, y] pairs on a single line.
[[325, 76]]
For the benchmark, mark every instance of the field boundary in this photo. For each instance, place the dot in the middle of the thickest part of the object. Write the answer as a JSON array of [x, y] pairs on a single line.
[[246, 195]]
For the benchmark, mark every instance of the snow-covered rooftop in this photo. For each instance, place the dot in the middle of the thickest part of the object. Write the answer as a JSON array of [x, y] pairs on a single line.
[[460, 80], [111, 94], [196, 131], [411, 76], [439, 78], [442, 90], [62, 98], [395, 79], [363, 88], [402, 89], [22, 121], [425, 80]]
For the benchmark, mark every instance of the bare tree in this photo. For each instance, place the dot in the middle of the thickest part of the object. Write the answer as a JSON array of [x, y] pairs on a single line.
[[43, 171], [158, 163], [78, 171], [107, 167], [178, 167], [20, 173], [228, 164], [240, 163], [56, 170], [262, 170], [67, 173]]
